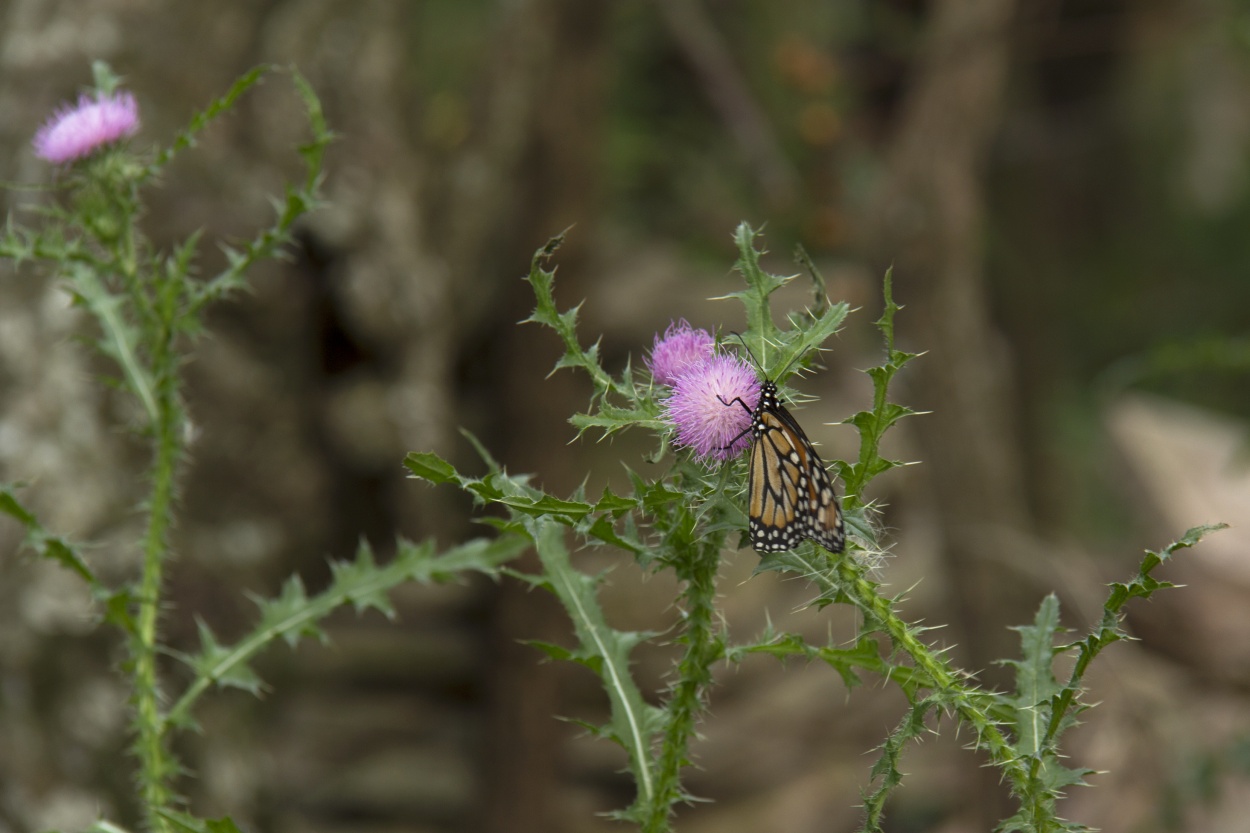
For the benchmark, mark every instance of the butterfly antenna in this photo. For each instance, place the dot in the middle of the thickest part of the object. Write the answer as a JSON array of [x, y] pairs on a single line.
[[790, 364], [759, 367]]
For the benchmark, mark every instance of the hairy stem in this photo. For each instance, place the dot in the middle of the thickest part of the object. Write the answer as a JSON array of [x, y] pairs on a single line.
[[694, 676], [156, 767], [846, 582]]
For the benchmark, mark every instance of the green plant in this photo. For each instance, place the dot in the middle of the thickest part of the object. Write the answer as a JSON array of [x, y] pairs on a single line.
[[683, 519], [148, 309]]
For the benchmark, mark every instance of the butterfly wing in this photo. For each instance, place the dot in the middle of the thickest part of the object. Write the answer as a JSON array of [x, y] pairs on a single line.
[[791, 495]]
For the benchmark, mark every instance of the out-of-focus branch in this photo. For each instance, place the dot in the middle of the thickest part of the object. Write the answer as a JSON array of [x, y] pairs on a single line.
[[705, 49]]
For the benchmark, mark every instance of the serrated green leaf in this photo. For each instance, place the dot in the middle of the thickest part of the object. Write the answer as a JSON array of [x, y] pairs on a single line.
[[552, 650], [542, 281], [610, 420], [297, 201], [119, 338], [604, 530], [760, 285], [48, 546], [1035, 679], [1047, 771], [293, 615], [486, 490], [1057, 777], [548, 506], [426, 465], [565, 324], [886, 417], [477, 556], [215, 664], [218, 107], [10, 506], [887, 770], [633, 721], [287, 614], [873, 424], [357, 582], [609, 501], [846, 661]]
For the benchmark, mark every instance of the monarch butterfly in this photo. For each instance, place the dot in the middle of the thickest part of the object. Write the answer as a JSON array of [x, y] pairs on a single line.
[[791, 495]]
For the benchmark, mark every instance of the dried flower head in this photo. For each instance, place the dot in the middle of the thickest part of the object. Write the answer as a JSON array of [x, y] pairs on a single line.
[[76, 131], [679, 347], [702, 407]]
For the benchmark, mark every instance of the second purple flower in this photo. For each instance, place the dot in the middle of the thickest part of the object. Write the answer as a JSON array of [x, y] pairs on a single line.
[[78, 130], [680, 347]]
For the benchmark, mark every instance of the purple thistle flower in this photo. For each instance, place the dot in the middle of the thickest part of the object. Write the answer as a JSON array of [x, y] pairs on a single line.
[[75, 131], [680, 346], [697, 407]]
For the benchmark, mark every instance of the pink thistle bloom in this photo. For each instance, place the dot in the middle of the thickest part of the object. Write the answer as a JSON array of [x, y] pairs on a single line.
[[680, 347], [703, 408], [76, 131]]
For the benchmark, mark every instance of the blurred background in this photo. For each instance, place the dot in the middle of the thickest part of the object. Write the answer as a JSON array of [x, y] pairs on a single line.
[[1061, 186]]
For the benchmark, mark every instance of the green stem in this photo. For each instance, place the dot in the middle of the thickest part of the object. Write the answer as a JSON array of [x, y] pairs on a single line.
[[847, 582], [694, 676], [878, 611], [156, 767]]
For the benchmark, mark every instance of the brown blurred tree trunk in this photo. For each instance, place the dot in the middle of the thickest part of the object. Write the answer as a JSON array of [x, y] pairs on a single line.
[[548, 93], [929, 222]]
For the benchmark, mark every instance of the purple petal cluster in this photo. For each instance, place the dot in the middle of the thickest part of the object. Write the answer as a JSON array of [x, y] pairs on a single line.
[[702, 407], [75, 131], [680, 347]]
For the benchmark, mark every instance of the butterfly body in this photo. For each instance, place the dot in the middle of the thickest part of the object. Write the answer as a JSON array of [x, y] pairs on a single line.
[[791, 495]]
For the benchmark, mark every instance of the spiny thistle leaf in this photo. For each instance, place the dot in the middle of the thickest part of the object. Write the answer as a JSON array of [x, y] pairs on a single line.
[[419, 563], [120, 339], [118, 610], [873, 424], [563, 654], [215, 663], [808, 330], [548, 506], [202, 119], [602, 529], [362, 583], [429, 466], [614, 503], [1035, 678], [1108, 629], [565, 323], [610, 419], [865, 655], [760, 285], [634, 723], [886, 771], [357, 581], [296, 202], [48, 546], [288, 614]]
